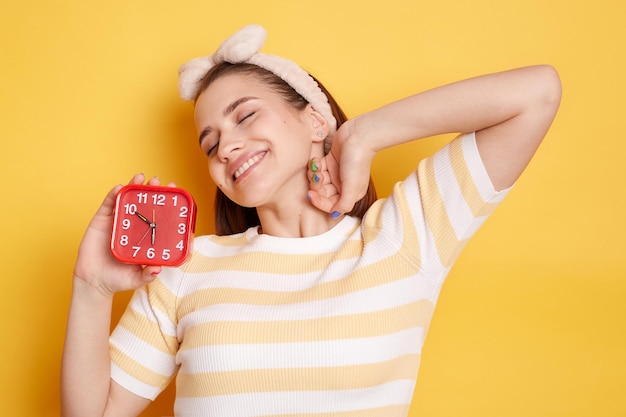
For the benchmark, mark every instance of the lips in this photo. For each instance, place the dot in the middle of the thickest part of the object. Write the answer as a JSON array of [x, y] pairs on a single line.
[[247, 164]]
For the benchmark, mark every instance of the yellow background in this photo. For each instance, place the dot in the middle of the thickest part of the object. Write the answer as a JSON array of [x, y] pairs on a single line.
[[532, 319]]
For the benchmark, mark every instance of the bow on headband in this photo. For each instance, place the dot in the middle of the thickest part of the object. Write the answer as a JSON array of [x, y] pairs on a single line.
[[243, 47]]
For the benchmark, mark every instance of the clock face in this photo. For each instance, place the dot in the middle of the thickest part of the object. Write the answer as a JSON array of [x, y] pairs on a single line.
[[153, 225]]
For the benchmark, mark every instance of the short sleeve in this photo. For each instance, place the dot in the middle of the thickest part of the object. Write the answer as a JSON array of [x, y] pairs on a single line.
[[436, 210], [456, 197]]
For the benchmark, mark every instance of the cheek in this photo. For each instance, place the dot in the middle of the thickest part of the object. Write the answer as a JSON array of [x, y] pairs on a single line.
[[216, 175]]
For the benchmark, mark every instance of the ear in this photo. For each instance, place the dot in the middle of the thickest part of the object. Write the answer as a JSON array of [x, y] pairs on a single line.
[[318, 124]]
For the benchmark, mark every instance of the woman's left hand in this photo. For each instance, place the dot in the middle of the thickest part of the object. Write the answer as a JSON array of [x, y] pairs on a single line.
[[340, 179]]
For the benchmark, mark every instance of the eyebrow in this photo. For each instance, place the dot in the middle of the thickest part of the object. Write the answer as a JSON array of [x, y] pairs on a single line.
[[227, 110]]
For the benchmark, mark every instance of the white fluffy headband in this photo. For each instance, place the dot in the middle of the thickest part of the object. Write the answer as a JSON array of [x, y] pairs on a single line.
[[243, 47]]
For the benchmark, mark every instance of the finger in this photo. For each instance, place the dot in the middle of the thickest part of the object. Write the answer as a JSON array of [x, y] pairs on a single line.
[[137, 179], [319, 181], [154, 181], [331, 169], [108, 204], [313, 171], [327, 191], [318, 164], [150, 272], [345, 203], [322, 203]]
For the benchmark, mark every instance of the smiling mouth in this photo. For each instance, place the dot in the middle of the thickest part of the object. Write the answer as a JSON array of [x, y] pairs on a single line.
[[247, 165]]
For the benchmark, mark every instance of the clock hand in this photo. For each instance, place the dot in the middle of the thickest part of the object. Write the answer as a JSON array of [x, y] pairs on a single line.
[[153, 227], [151, 224], [144, 218], [144, 236]]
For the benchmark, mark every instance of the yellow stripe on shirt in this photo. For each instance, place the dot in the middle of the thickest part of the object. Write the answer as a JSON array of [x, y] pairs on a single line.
[[372, 324], [297, 379], [470, 191]]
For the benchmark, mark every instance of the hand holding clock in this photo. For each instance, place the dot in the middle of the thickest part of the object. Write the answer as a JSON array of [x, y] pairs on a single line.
[[95, 265]]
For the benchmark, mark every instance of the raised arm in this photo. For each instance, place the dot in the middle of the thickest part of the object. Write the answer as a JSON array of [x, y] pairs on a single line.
[[510, 112], [86, 385]]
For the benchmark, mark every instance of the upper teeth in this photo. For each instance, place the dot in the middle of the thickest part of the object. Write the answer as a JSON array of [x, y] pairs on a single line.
[[246, 165]]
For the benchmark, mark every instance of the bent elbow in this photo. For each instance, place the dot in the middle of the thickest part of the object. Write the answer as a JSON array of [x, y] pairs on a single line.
[[550, 88]]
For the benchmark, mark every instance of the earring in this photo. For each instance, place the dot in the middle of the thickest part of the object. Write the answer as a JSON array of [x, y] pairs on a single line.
[[320, 133]]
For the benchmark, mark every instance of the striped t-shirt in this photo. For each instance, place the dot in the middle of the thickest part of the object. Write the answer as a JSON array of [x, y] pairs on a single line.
[[329, 325]]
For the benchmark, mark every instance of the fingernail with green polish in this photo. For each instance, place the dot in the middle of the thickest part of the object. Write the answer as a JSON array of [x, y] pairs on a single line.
[[314, 166]]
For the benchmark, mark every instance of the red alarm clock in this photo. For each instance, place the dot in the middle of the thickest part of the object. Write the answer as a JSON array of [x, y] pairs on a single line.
[[153, 225]]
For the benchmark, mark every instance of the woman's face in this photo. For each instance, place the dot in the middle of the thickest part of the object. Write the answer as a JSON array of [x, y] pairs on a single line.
[[257, 144]]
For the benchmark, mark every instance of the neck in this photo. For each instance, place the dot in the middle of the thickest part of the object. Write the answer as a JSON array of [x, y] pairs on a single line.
[[292, 222]]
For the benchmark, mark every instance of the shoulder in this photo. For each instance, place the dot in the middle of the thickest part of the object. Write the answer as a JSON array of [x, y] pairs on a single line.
[[455, 174], [210, 242], [443, 202]]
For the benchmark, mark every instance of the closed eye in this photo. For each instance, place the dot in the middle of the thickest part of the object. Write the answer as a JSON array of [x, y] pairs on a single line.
[[246, 117], [212, 148]]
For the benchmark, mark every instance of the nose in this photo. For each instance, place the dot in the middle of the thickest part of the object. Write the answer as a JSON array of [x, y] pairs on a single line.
[[228, 146]]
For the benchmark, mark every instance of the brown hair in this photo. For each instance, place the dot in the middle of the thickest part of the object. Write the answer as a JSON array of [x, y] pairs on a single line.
[[232, 218]]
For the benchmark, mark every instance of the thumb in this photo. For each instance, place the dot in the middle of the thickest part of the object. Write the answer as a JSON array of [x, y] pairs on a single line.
[[150, 273], [345, 203]]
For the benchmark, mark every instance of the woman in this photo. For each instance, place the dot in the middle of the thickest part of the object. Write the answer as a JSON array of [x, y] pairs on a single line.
[[297, 308]]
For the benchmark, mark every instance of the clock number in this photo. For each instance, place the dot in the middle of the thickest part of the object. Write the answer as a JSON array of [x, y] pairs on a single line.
[[130, 208], [183, 211], [126, 224], [142, 198], [175, 200], [124, 240], [166, 254], [151, 253], [180, 245], [182, 228], [158, 199]]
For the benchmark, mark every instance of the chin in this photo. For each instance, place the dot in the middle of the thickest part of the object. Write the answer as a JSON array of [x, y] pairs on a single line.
[[249, 201]]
